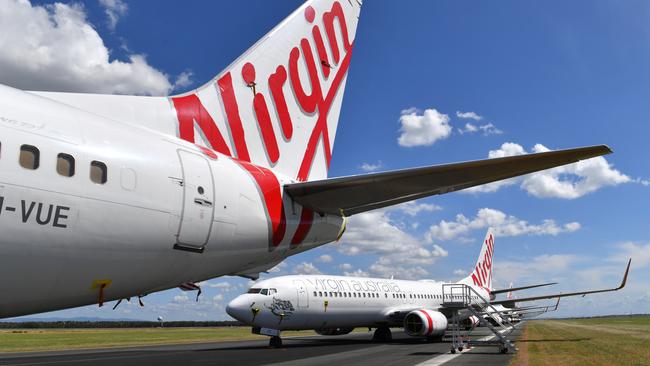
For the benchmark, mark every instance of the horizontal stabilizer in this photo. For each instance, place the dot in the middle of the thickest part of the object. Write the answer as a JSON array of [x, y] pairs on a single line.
[[355, 194], [512, 289], [512, 303]]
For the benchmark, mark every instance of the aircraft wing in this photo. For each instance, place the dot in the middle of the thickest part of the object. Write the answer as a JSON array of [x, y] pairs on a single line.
[[355, 194], [511, 303], [496, 292]]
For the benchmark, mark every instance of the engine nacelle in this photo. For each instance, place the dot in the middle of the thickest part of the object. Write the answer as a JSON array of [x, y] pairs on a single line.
[[423, 322], [333, 331]]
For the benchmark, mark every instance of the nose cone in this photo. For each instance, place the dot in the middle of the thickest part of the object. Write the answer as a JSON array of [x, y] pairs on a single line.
[[238, 308]]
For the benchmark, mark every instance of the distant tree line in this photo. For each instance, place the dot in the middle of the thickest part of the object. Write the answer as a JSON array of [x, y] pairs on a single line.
[[115, 324]]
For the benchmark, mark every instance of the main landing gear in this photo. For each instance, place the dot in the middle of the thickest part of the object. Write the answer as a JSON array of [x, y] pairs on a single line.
[[382, 334], [275, 342]]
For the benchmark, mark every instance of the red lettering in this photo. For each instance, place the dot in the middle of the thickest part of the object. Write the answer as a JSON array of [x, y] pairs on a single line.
[[232, 113], [190, 110], [307, 102], [262, 115], [328, 20], [322, 54], [276, 82]]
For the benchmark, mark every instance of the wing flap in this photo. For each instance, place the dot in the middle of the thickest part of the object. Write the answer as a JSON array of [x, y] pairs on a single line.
[[356, 194]]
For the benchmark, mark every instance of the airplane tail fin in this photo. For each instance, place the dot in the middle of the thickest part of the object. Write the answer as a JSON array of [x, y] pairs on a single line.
[[482, 273], [278, 104]]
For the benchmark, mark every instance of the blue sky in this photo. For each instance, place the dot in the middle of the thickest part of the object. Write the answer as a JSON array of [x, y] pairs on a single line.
[[560, 74]]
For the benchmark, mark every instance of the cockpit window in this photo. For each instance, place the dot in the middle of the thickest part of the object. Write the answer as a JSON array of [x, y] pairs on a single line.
[[272, 291], [254, 290], [264, 291]]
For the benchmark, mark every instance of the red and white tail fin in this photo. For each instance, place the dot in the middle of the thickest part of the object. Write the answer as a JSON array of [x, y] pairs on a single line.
[[278, 104], [481, 276]]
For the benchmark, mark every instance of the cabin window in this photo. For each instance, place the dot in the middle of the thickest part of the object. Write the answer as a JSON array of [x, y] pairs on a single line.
[[331, 294], [65, 165], [386, 295], [98, 172], [315, 294], [29, 157], [320, 294]]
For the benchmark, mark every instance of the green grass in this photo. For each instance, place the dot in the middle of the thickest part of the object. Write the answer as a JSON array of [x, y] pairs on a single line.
[[594, 341], [14, 340]]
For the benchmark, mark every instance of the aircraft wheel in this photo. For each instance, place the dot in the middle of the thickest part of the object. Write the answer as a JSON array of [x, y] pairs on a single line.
[[460, 349], [504, 350], [382, 334], [275, 342], [453, 351]]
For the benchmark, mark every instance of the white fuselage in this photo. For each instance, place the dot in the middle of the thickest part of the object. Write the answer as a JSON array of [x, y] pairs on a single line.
[[322, 302], [61, 236]]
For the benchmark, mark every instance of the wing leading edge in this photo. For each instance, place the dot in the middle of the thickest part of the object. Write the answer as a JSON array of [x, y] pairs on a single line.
[[511, 303], [355, 194]]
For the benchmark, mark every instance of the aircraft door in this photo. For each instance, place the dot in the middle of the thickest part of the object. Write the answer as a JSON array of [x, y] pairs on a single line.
[[198, 202], [303, 297]]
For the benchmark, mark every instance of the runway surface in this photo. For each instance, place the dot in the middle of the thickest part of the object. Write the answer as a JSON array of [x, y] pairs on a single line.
[[352, 349]]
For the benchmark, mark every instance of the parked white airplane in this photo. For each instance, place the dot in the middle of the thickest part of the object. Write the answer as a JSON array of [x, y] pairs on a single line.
[[335, 305], [104, 197]]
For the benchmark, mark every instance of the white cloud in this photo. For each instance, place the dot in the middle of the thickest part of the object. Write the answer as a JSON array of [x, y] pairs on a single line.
[[306, 268], [357, 273], [569, 181], [468, 115], [460, 272], [325, 258], [224, 286], [183, 80], [487, 129], [55, 48], [469, 128], [371, 167], [423, 129], [503, 225], [640, 254], [413, 208], [114, 9], [180, 299], [345, 267], [490, 129], [400, 253], [280, 267]]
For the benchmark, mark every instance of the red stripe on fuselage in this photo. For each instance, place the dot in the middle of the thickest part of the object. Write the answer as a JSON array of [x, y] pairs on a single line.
[[306, 220], [271, 192]]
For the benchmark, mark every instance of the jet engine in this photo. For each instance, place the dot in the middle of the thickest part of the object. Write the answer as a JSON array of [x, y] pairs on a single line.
[[425, 322], [333, 331]]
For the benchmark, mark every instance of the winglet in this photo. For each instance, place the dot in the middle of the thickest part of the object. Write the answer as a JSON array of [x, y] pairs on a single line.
[[627, 270]]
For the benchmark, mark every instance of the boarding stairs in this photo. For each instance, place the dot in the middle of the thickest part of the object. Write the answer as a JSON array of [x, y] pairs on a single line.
[[463, 301]]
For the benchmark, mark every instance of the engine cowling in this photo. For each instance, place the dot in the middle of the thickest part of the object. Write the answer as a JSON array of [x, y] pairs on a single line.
[[333, 331], [425, 322]]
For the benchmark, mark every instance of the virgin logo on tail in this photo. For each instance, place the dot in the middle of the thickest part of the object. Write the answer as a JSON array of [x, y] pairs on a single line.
[[310, 96], [482, 274]]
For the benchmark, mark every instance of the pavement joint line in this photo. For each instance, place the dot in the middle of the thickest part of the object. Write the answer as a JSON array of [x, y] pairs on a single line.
[[442, 359]]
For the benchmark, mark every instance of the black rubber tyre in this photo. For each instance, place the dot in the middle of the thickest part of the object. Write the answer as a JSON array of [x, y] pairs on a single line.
[[382, 334], [275, 342]]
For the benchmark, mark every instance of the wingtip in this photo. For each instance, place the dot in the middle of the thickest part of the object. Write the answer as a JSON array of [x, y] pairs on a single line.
[[627, 271]]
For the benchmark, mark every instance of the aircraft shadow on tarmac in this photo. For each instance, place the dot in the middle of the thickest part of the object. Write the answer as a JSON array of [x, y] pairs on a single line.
[[310, 342]]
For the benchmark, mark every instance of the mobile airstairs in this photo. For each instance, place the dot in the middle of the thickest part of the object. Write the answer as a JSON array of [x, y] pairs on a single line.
[[464, 301]]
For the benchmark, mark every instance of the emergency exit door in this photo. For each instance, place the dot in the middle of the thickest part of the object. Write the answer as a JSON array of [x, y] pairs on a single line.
[[198, 202]]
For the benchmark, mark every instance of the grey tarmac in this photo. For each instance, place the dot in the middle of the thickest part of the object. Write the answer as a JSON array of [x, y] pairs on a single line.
[[352, 349]]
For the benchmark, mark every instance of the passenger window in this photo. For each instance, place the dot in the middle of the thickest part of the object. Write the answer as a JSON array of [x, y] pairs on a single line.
[[65, 165], [98, 172], [29, 157], [320, 294], [315, 294]]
